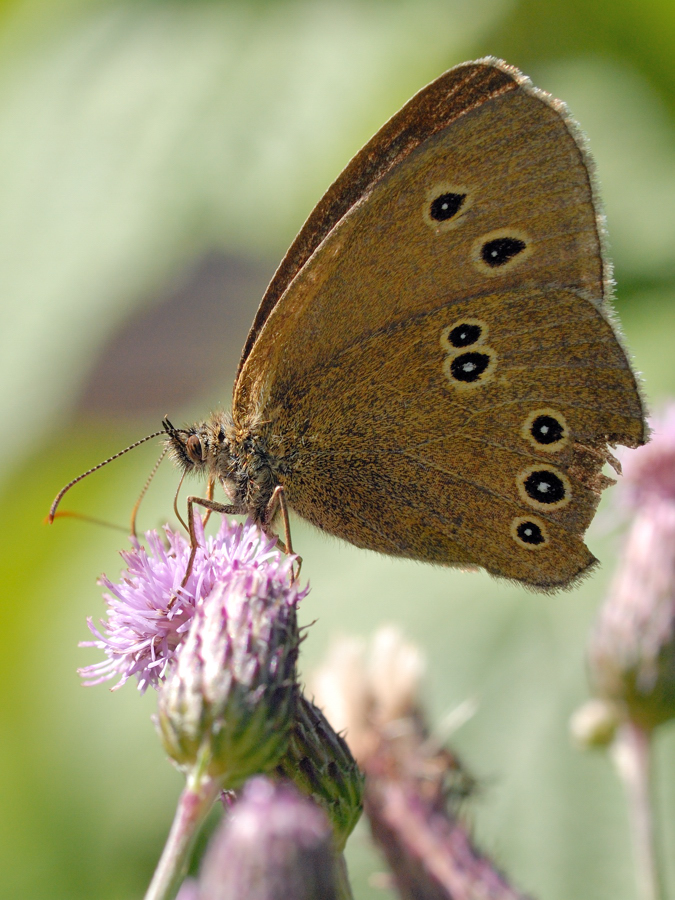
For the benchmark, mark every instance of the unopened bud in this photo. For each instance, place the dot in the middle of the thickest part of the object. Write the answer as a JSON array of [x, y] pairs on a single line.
[[320, 764], [594, 724], [275, 845]]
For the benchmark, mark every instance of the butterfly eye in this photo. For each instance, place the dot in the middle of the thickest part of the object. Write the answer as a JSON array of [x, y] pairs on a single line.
[[446, 206], [194, 449], [498, 250], [530, 533], [463, 333], [544, 486]]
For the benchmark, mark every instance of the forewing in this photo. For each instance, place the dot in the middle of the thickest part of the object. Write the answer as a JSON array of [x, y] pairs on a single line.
[[430, 110]]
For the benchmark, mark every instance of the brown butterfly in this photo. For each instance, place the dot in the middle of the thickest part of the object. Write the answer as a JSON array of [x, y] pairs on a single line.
[[433, 372]]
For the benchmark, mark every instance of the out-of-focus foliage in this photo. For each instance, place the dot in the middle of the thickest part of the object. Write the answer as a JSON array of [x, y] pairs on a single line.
[[632, 135], [136, 137]]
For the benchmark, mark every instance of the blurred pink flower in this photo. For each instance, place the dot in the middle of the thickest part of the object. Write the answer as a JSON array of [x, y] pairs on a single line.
[[274, 843], [648, 472], [632, 653], [189, 890]]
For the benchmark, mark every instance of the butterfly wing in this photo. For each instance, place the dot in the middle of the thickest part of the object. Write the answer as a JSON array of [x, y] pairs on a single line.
[[431, 109], [440, 376]]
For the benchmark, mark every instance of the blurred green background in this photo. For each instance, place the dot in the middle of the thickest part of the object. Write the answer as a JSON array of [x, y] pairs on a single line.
[[156, 159]]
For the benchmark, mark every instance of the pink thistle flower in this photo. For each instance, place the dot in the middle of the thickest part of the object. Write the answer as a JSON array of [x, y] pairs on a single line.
[[228, 705], [648, 472], [632, 653], [149, 614]]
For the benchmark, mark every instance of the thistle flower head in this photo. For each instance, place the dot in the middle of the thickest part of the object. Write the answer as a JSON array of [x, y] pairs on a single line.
[[632, 651], [189, 890], [227, 705], [149, 614], [648, 472]]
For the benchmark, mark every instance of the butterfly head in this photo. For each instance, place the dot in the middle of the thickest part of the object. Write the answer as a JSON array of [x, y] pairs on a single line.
[[203, 448]]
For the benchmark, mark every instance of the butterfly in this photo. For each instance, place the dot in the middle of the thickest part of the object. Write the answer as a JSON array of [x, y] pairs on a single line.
[[434, 371]]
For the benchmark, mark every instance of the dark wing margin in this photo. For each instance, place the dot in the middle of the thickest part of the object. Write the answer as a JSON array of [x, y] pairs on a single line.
[[454, 93]]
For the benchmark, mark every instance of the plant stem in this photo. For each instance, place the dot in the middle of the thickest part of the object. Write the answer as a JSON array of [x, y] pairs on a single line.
[[194, 805], [631, 754], [344, 890]]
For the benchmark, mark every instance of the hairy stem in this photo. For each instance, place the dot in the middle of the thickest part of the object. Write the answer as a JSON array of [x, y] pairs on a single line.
[[194, 805]]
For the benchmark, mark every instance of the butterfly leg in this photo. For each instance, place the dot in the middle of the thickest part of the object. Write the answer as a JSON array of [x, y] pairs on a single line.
[[226, 509], [278, 503], [210, 487]]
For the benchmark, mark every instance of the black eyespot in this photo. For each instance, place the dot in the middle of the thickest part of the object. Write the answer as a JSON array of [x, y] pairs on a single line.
[[530, 533], [546, 430], [446, 206], [544, 487], [464, 334], [469, 366], [221, 435], [501, 250]]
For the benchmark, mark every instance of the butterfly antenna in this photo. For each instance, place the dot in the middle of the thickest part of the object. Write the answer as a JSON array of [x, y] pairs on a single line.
[[144, 491], [69, 514], [64, 490], [171, 429]]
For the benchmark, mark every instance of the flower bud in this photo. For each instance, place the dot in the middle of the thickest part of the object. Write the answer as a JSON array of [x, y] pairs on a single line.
[[275, 845], [320, 764], [228, 705], [365, 690], [415, 789], [594, 724]]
